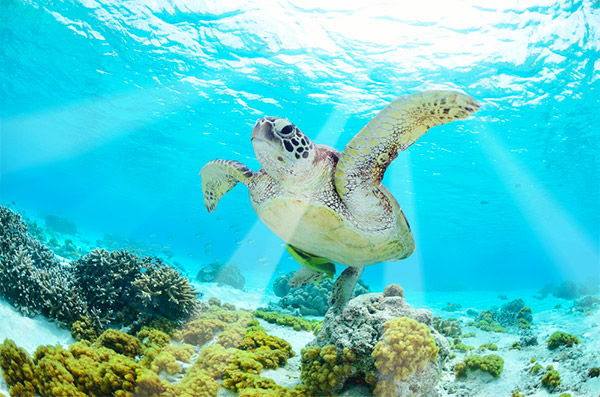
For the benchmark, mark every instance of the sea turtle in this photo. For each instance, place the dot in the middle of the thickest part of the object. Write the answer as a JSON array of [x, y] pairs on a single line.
[[330, 206]]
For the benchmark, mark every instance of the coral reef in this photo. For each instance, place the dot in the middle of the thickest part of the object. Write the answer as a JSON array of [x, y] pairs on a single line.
[[449, 327], [80, 371], [61, 224], [568, 290], [325, 369], [559, 338], [99, 289], [452, 307], [492, 364], [309, 300], [31, 277], [17, 369], [515, 346], [120, 342], [512, 314], [457, 344], [586, 304], [405, 348], [161, 289], [359, 328], [221, 274], [287, 320], [551, 379], [488, 346]]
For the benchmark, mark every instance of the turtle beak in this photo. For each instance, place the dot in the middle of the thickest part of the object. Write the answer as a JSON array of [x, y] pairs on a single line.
[[263, 129]]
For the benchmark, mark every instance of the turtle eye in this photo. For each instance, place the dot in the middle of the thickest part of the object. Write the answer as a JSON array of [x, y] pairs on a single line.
[[287, 130]]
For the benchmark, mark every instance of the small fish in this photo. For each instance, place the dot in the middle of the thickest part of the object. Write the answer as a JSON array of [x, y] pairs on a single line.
[[266, 263], [262, 259], [167, 247], [208, 245], [153, 235], [170, 237], [153, 244], [483, 202], [250, 241], [197, 235], [190, 254]]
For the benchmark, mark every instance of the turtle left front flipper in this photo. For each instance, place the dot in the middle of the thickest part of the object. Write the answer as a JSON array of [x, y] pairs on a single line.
[[219, 177]]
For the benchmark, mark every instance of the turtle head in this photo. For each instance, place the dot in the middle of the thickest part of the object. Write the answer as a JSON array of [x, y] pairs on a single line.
[[281, 148]]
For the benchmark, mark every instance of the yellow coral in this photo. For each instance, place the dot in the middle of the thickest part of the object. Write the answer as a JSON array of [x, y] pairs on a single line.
[[153, 338], [120, 342], [200, 331], [201, 384], [181, 353], [85, 329], [405, 348], [213, 360], [231, 337], [17, 369], [324, 369], [165, 361]]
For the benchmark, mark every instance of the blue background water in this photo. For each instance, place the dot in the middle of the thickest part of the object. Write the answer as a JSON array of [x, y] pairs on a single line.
[[110, 108]]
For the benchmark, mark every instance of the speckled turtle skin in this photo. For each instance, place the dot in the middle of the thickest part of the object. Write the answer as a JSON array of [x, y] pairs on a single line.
[[332, 204]]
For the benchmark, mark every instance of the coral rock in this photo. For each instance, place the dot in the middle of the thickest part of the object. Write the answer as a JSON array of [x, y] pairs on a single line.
[[360, 327]]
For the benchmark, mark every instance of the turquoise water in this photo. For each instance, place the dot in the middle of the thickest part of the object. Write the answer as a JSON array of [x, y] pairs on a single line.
[[109, 109]]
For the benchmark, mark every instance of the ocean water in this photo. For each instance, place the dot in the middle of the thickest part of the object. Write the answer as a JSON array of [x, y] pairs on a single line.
[[109, 109]]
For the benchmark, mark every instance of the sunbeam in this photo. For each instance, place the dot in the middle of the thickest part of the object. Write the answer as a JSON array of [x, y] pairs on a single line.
[[399, 179], [62, 133], [565, 241]]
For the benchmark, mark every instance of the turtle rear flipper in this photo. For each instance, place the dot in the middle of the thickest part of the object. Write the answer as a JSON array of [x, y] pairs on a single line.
[[305, 276], [313, 270], [344, 287], [219, 177]]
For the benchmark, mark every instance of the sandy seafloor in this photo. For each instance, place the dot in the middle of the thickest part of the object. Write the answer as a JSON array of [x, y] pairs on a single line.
[[572, 363]]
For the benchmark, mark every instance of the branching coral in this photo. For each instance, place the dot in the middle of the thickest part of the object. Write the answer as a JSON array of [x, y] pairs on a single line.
[[406, 347], [449, 327], [31, 278], [94, 291], [161, 289]]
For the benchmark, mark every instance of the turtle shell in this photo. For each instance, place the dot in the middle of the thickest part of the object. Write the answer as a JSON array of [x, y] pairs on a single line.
[[316, 228]]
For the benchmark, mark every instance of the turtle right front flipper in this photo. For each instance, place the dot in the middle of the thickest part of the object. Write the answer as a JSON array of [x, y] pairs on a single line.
[[363, 162], [219, 177]]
